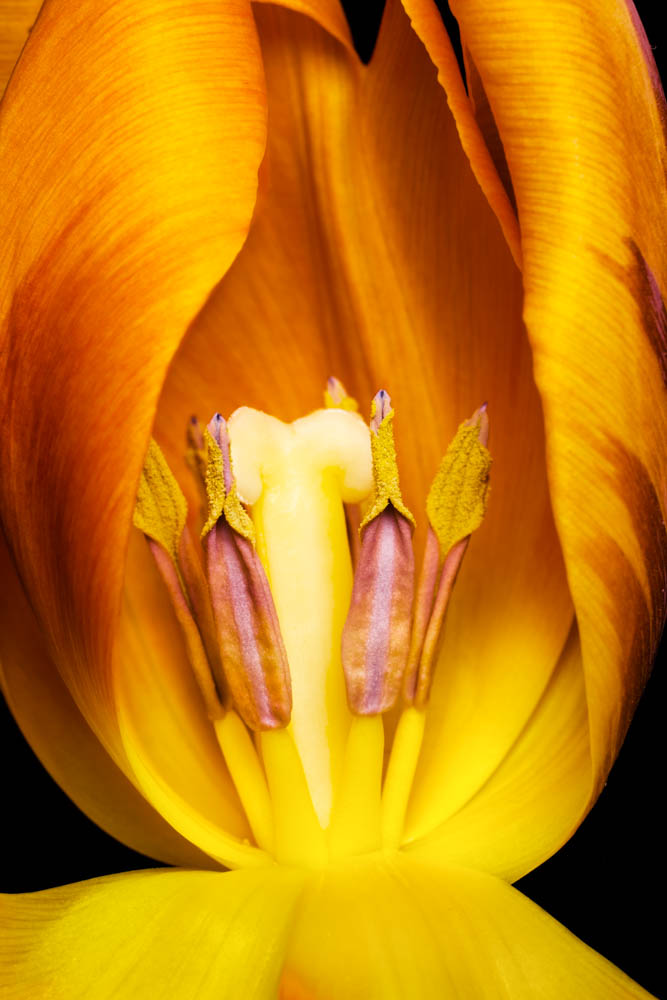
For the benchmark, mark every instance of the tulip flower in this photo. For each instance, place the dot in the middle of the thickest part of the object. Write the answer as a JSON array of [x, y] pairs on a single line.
[[212, 208]]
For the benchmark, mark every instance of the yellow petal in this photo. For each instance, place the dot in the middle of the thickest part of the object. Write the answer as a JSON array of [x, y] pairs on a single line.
[[63, 741], [401, 929], [181, 934], [372, 242], [587, 159], [534, 799], [149, 120], [16, 19]]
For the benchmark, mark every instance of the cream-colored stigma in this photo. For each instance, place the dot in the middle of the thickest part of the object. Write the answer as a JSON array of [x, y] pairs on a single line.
[[296, 478]]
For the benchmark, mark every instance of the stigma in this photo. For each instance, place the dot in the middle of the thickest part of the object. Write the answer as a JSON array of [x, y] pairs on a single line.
[[301, 617]]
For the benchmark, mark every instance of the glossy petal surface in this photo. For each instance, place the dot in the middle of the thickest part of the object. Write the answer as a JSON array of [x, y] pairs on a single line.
[[64, 742], [399, 930], [535, 798], [413, 930], [163, 934], [592, 221], [131, 140]]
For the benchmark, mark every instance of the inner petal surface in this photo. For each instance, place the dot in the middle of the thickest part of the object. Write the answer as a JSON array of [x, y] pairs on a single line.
[[373, 254]]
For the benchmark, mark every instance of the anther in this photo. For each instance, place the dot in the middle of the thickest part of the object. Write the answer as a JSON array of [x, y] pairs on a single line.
[[160, 513], [377, 629], [455, 506], [253, 654]]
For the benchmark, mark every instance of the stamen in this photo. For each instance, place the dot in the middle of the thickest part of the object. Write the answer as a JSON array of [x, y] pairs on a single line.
[[248, 777], [299, 838], [385, 467], [450, 569], [375, 642], [160, 513], [400, 775], [377, 629], [190, 562], [455, 506], [356, 814], [459, 493], [193, 642], [253, 655], [160, 510], [426, 590]]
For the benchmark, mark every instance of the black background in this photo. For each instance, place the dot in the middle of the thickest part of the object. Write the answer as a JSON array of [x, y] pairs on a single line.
[[605, 885]]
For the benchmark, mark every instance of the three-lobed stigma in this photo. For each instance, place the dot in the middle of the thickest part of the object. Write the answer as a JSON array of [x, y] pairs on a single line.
[[299, 654]]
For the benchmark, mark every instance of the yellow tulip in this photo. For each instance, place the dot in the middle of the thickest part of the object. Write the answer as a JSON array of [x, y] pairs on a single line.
[[209, 205]]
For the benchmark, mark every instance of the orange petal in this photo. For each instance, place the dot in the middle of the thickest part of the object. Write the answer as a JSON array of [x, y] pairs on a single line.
[[587, 161], [472, 119], [131, 140], [16, 19], [59, 735], [373, 254], [329, 14]]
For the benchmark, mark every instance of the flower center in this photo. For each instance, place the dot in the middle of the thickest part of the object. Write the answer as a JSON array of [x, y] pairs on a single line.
[[297, 655]]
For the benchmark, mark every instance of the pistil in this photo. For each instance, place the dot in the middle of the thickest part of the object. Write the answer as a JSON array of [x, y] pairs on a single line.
[[296, 478]]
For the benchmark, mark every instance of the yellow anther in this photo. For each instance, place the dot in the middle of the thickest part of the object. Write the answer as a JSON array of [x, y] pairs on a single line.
[[160, 511], [385, 467], [459, 493], [223, 502]]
